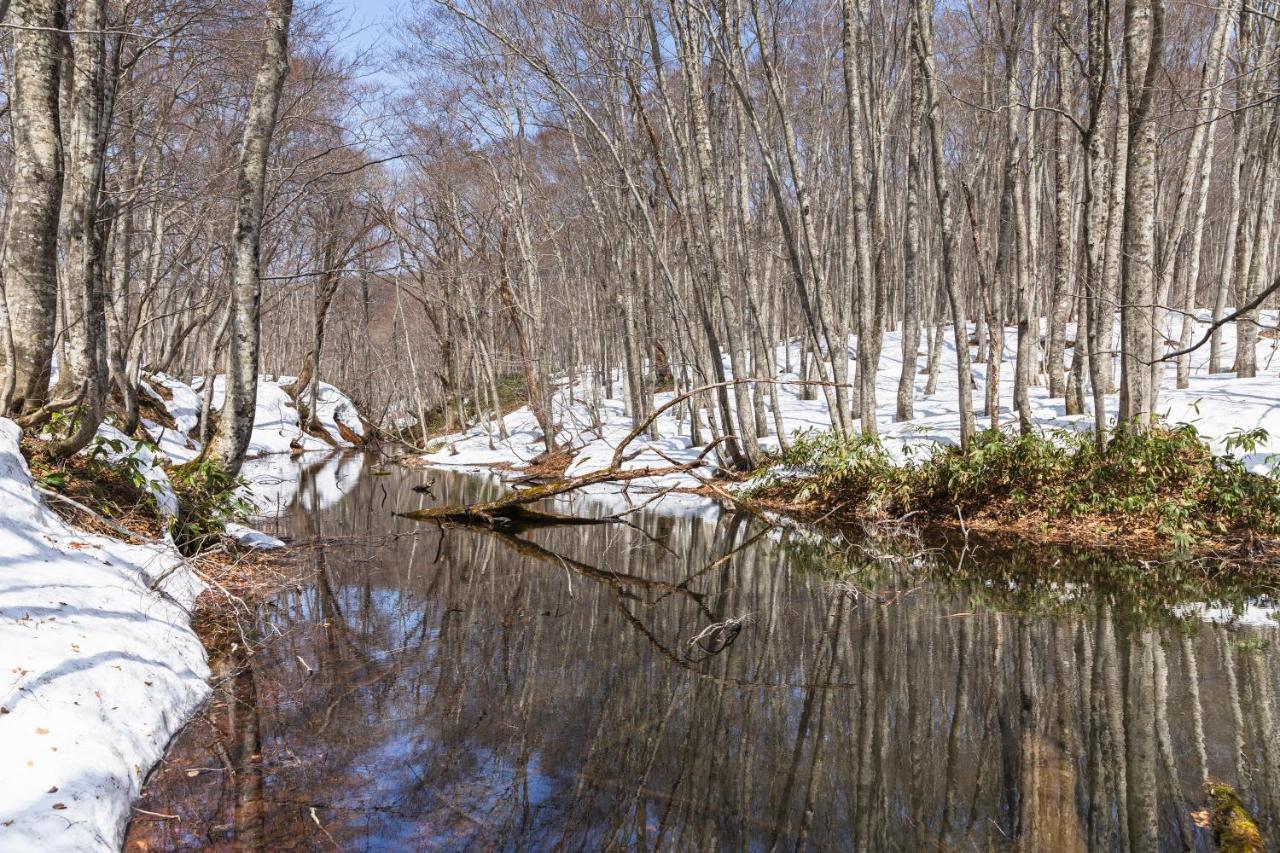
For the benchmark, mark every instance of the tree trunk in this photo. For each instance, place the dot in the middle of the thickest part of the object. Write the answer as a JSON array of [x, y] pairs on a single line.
[[30, 266], [1143, 37], [235, 421], [923, 49], [1064, 217], [911, 252], [860, 202], [84, 377]]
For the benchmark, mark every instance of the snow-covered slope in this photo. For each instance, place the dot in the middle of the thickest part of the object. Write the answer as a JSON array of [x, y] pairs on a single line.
[[1216, 404], [335, 411], [97, 670], [277, 425], [98, 663]]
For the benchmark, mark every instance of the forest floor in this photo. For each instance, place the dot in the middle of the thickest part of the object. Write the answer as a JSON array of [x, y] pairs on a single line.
[[102, 618], [1221, 408]]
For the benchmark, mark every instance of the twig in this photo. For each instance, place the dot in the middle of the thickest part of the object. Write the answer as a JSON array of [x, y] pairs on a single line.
[[1214, 326], [118, 528]]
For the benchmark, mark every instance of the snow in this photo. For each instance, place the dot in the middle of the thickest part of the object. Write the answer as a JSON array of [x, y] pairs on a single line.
[[1217, 405], [98, 670], [177, 447], [184, 405], [277, 425], [247, 537], [335, 408]]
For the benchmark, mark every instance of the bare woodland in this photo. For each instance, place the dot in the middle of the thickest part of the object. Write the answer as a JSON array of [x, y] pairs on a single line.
[[636, 196]]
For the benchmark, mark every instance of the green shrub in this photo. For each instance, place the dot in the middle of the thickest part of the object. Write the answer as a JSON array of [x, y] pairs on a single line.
[[1164, 478], [208, 499], [824, 464]]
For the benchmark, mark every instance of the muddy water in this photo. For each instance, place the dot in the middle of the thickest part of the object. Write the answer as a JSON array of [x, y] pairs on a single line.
[[569, 689]]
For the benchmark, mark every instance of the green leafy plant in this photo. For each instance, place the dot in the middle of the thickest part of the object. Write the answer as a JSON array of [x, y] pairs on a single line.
[[133, 462], [56, 480], [1166, 479], [208, 499]]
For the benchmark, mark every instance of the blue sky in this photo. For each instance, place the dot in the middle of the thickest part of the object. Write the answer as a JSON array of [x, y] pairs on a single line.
[[370, 18]]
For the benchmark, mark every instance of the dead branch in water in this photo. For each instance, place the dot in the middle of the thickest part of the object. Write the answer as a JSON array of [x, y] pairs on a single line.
[[510, 511]]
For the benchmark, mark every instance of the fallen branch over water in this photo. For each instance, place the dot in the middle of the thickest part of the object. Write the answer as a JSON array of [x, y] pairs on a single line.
[[510, 511]]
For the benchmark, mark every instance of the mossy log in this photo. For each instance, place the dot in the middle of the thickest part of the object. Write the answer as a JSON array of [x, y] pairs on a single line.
[[1233, 829]]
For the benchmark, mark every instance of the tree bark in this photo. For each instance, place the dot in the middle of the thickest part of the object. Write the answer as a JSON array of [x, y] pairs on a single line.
[[84, 377], [29, 268], [235, 421], [924, 57], [1144, 41], [860, 201]]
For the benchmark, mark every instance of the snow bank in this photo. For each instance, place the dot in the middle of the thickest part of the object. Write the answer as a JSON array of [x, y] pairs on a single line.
[[99, 671], [277, 425], [183, 403], [335, 409], [1216, 404]]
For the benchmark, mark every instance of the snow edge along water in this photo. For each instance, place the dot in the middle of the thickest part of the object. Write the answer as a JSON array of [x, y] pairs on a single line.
[[101, 665]]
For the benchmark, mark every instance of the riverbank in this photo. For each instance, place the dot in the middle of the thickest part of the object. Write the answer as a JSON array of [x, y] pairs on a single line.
[[1148, 497], [1234, 418], [102, 617], [1154, 492], [100, 667]]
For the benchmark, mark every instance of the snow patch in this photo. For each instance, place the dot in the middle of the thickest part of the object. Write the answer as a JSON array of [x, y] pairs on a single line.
[[277, 425], [99, 670], [247, 537]]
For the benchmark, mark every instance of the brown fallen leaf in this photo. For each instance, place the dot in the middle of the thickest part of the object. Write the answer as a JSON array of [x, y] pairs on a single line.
[[52, 790], [59, 806], [42, 731]]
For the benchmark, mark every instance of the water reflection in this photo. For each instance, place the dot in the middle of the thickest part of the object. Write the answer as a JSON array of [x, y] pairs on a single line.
[[451, 689], [310, 481]]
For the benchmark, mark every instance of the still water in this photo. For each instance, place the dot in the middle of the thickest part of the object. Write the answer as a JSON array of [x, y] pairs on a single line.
[[566, 688]]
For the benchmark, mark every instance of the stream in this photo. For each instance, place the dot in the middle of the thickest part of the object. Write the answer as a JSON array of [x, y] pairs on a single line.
[[690, 679]]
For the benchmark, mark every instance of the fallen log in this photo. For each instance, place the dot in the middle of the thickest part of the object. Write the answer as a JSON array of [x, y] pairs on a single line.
[[511, 510], [511, 519]]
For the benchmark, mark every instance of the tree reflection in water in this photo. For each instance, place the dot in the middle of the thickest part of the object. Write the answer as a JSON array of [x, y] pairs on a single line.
[[448, 688]]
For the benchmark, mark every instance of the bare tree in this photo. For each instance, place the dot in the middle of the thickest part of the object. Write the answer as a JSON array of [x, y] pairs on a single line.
[[235, 424]]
